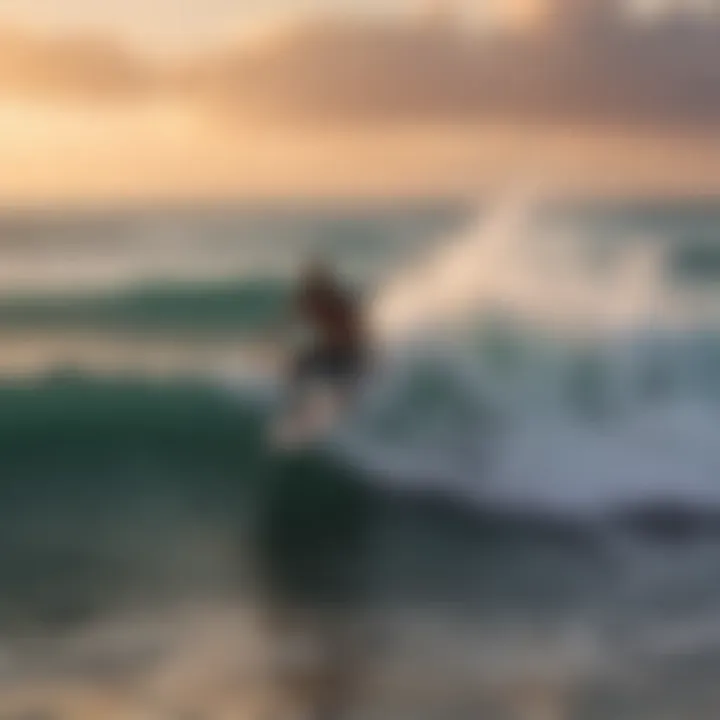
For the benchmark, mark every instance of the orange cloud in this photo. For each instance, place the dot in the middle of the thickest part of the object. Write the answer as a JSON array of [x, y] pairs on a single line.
[[70, 66]]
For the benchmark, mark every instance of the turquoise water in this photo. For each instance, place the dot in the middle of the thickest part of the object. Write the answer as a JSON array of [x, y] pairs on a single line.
[[526, 509]]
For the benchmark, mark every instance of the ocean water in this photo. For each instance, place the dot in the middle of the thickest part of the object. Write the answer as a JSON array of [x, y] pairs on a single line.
[[522, 520]]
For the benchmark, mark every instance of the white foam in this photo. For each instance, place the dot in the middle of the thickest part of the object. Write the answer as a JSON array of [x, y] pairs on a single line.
[[539, 452]]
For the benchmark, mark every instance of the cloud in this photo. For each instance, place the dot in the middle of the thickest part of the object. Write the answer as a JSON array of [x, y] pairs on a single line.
[[73, 66], [351, 70], [365, 71]]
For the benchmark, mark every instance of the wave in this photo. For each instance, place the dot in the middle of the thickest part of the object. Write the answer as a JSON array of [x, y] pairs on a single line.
[[519, 371], [235, 307], [117, 494], [100, 437], [122, 491], [532, 375]]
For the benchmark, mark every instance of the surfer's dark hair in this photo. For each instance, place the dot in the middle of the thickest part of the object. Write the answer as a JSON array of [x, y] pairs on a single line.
[[319, 272]]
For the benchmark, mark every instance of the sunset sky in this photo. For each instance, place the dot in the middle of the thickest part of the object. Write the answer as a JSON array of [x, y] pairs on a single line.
[[176, 24], [148, 99]]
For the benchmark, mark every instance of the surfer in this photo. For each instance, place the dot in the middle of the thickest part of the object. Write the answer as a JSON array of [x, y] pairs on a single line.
[[338, 346]]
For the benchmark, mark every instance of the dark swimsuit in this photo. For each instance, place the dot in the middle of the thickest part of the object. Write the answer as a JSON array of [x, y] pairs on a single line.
[[339, 356], [326, 363]]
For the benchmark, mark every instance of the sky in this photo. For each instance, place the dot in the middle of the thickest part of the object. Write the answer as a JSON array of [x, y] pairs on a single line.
[[172, 24], [131, 99], [178, 24]]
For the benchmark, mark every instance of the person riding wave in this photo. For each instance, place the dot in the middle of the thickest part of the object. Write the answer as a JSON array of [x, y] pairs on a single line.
[[338, 348]]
